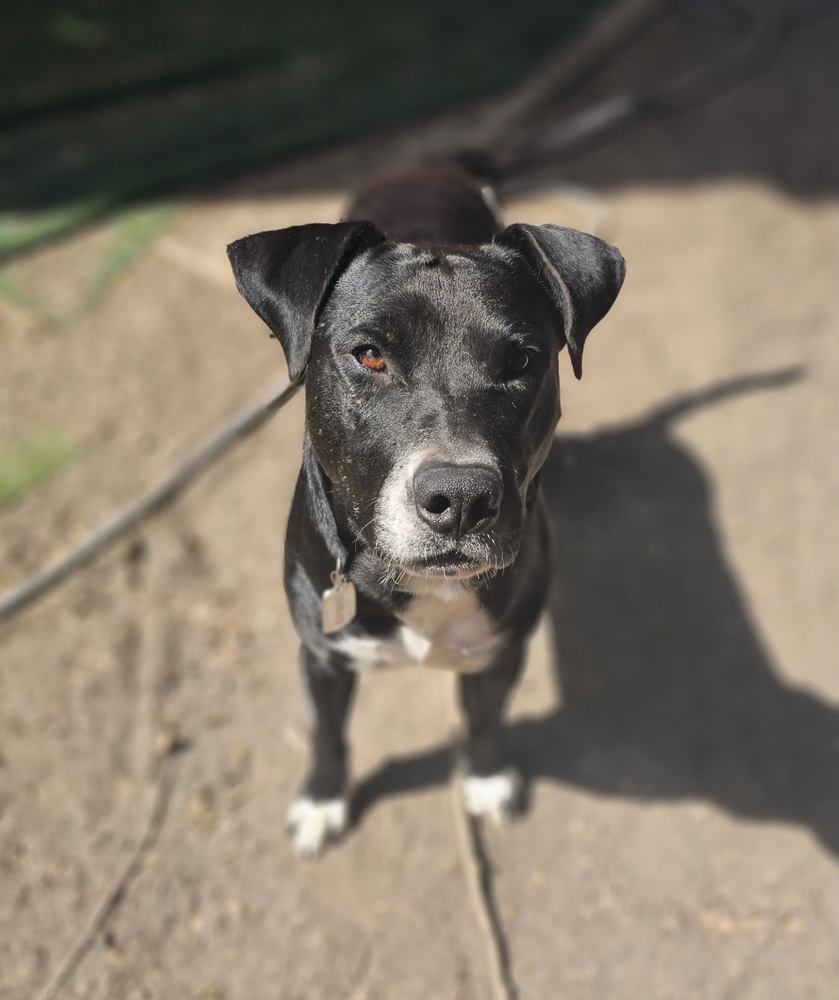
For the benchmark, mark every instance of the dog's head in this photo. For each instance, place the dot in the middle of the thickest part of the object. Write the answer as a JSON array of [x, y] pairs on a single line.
[[432, 388]]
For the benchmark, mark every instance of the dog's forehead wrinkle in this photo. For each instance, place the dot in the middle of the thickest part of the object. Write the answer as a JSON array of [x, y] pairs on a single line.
[[480, 299], [389, 267]]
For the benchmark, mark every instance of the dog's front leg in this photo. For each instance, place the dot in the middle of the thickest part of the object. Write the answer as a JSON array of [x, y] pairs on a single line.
[[489, 788], [320, 812]]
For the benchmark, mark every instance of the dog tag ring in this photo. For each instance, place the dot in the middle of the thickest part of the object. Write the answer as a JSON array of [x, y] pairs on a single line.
[[338, 603]]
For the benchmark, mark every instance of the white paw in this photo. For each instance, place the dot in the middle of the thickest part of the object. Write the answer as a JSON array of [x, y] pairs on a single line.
[[311, 824], [497, 796]]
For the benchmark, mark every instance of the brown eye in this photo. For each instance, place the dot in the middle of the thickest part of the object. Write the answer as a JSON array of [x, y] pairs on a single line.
[[371, 358]]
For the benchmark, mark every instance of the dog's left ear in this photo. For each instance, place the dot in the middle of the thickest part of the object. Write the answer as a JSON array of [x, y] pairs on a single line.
[[581, 273], [285, 275]]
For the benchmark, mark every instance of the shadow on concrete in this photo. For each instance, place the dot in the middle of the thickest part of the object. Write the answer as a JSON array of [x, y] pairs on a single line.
[[666, 691], [770, 126]]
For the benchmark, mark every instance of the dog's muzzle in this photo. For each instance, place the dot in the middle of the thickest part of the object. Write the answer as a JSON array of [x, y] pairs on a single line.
[[455, 500], [437, 516]]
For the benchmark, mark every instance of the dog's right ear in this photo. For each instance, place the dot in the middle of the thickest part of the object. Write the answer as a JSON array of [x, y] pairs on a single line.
[[286, 275], [581, 273]]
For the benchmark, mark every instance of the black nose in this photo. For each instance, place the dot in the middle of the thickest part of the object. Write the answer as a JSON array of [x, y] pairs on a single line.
[[456, 499]]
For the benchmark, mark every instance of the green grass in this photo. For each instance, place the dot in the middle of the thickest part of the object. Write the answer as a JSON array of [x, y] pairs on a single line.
[[126, 236], [32, 460], [134, 232]]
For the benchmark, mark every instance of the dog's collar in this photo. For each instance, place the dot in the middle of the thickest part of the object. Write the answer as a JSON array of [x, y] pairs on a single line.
[[323, 515], [338, 601]]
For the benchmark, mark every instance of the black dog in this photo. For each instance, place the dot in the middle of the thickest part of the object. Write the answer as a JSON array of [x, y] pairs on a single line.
[[430, 334]]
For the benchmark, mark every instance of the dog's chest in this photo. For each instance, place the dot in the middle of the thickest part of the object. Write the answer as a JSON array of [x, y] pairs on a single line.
[[444, 627]]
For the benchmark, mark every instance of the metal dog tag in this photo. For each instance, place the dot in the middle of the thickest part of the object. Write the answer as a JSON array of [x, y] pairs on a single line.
[[338, 603]]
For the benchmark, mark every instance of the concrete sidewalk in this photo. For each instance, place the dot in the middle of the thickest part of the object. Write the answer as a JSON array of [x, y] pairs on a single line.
[[678, 724]]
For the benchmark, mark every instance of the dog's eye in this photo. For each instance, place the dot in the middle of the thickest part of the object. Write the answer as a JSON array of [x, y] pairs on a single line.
[[370, 357], [516, 364]]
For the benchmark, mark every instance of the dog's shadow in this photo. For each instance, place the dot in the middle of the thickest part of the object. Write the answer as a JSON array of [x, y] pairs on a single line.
[[666, 691]]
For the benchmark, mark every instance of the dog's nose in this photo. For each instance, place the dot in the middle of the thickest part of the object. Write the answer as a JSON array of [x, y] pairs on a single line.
[[456, 499]]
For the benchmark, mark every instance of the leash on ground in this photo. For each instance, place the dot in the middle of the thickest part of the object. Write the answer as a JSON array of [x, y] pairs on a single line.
[[479, 873], [216, 444], [513, 146], [116, 891]]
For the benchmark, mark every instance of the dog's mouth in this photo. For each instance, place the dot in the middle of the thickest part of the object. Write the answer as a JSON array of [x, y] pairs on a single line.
[[445, 564], [453, 564]]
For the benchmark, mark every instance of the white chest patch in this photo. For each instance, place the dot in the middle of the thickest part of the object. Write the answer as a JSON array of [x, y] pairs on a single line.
[[443, 627]]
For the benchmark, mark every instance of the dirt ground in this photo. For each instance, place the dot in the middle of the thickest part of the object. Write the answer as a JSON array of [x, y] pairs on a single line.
[[678, 725]]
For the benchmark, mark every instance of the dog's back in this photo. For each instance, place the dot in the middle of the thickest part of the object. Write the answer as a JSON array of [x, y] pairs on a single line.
[[440, 203]]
